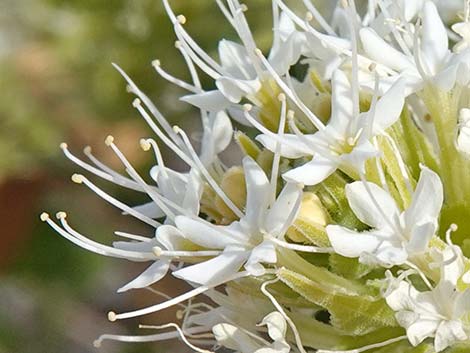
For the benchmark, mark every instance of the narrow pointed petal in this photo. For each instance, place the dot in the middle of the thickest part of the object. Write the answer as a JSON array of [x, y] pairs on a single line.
[[421, 330], [448, 333], [150, 210], [214, 271], [434, 41], [263, 253], [293, 148], [420, 237], [212, 101], [284, 210], [313, 172], [257, 194], [389, 107], [365, 208], [151, 275], [341, 103], [427, 198], [349, 243]]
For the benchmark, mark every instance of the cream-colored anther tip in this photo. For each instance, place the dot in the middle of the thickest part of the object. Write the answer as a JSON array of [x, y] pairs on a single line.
[[156, 62], [258, 52], [78, 178], [63, 146], [109, 140], [87, 150], [136, 102], [247, 107], [281, 97], [145, 145], [112, 316], [61, 215], [157, 250], [181, 19], [44, 216]]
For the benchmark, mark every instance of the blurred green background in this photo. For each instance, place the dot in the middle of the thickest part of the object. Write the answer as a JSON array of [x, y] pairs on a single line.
[[57, 84]]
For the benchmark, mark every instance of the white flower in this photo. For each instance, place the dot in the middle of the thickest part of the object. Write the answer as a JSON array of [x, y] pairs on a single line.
[[431, 60], [237, 339], [345, 141], [394, 236], [249, 242], [437, 313]]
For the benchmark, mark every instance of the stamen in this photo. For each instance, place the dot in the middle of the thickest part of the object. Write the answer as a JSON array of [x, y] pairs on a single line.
[[277, 152], [80, 179], [420, 273], [148, 103], [137, 104], [176, 81], [207, 175], [146, 144], [132, 236], [112, 316], [292, 95], [369, 347], [189, 64], [452, 228], [299, 247], [115, 178], [280, 309], [159, 252], [155, 196], [318, 17], [90, 245], [180, 333]]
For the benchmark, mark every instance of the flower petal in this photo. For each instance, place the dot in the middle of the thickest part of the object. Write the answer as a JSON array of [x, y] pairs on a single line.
[[283, 212], [389, 107], [434, 41], [313, 172], [427, 199], [420, 236], [277, 326], [365, 208], [349, 243], [263, 253], [341, 103], [293, 148], [216, 270], [152, 274], [420, 330], [448, 333], [211, 101]]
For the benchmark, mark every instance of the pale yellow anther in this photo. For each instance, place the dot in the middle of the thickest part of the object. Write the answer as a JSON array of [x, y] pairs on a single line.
[[44, 216], [244, 7], [180, 314], [157, 251], [181, 19], [87, 150], [61, 215], [136, 102], [155, 63], [247, 107], [281, 97], [258, 52], [78, 178], [63, 146], [308, 16], [109, 140], [145, 145], [177, 129], [97, 344], [454, 227], [129, 89], [112, 316], [177, 44]]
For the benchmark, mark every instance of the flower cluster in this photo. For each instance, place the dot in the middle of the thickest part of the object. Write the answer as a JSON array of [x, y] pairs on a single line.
[[344, 227]]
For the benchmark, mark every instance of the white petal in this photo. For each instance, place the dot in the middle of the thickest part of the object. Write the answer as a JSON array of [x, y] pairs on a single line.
[[434, 41], [235, 60], [234, 338], [263, 253], [421, 330], [214, 271], [350, 243], [277, 325], [257, 194], [234, 90], [420, 236], [389, 107], [313, 172], [222, 131], [151, 275], [403, 298], [341, 103], [150, 210], [391, 254], [362, 152], [284, 211], [365, 208], [204, 233], [448, 333], [171, 238], [194, 189], [379, 50], [212, 101], [293, 148], [427, 199]]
